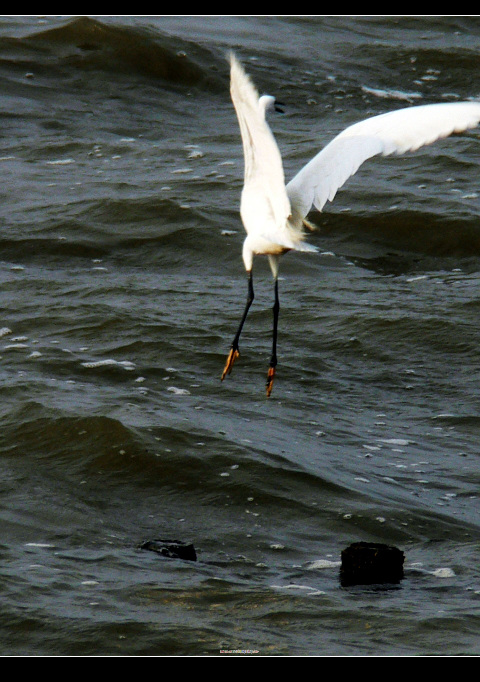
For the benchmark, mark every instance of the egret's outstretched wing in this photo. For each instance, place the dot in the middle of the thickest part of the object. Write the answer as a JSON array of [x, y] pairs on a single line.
[[264, 187], [395, 132]]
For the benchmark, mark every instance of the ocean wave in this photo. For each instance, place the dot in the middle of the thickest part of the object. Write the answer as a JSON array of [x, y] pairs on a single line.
[[83, 43], [412, 232]]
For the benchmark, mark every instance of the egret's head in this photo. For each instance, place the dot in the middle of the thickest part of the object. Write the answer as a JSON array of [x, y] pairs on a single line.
[[267, 102]]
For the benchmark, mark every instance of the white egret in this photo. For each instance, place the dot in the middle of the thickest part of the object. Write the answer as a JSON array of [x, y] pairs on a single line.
[[274, 214]]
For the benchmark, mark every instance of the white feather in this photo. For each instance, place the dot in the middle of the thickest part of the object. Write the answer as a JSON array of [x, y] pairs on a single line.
[[265, 206], [273, 214], [395, 132]]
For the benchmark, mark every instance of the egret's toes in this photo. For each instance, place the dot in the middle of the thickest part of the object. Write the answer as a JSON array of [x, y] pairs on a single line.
[[232, 356], [270, 378]]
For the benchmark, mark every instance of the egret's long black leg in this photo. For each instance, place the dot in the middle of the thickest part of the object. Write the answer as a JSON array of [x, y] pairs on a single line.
[[234, 352], [273, 359]]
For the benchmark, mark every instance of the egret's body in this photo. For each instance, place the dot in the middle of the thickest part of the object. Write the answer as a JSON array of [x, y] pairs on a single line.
[[274, 214]]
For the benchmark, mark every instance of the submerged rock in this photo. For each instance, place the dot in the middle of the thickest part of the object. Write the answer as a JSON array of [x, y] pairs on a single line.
[[173, 549], [369, 563]]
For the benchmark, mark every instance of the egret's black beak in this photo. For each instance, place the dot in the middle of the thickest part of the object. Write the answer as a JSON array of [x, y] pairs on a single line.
[[278, 107]]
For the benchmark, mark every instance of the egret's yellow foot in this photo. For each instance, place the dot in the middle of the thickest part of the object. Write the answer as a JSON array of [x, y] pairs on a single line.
[[232, 356], [270, 378]]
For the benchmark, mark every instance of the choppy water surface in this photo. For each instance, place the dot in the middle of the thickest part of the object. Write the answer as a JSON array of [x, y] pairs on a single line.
[[121, 287]]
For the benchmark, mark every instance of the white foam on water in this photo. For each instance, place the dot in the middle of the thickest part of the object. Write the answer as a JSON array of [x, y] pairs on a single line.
[[178, 391], [126, 364]]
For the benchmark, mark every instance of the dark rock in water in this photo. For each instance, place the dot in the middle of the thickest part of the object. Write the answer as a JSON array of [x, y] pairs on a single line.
[[369, 563], [174, 549]]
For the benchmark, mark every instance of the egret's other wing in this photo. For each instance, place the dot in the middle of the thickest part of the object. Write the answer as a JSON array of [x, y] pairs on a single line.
[[394, 132], [264, 177]]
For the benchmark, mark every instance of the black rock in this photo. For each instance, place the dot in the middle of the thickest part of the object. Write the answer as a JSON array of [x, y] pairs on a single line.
[[369, 563], [174, 549]]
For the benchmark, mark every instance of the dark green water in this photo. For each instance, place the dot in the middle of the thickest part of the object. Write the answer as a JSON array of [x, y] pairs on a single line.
[[121, 287]]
